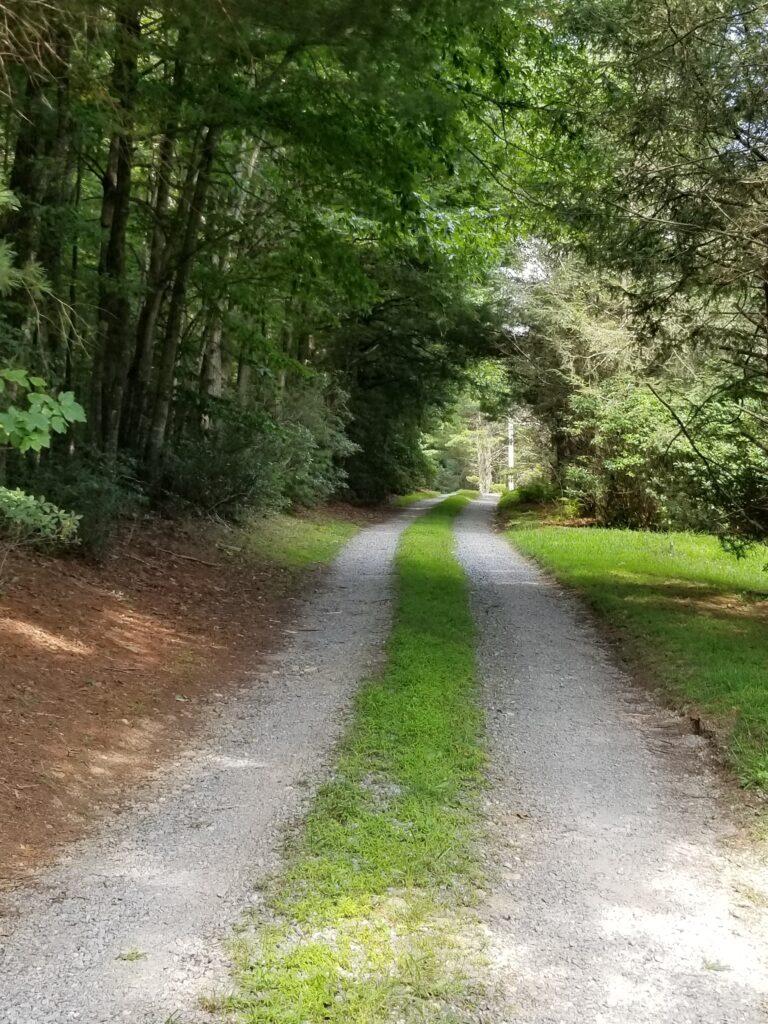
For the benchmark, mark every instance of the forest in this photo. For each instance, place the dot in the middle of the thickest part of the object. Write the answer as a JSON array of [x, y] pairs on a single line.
[[254, 255], [383, 511]]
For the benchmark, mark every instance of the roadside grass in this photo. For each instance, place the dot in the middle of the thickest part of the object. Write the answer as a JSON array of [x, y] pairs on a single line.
[[370, 920], [403, 500], [693, 613], [298, 542]]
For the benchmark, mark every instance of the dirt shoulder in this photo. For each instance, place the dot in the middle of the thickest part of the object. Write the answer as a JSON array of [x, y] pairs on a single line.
[[107, 670]]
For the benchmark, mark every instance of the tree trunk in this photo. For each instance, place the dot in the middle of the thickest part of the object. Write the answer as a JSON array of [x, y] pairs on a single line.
[[113, 354], [140, 372], [217, 361], [27, 172], [167, 364], [74, 265], [212, 372], [243, 382], [60, 194]]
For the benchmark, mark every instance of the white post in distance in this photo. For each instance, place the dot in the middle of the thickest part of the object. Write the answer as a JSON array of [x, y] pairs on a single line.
[[510, 453]]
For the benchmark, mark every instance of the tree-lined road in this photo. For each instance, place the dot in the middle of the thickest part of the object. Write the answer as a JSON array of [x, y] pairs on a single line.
[[619, 899]]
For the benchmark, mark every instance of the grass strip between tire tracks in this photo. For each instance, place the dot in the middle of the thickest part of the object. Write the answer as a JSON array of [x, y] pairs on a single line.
[[370, 919]]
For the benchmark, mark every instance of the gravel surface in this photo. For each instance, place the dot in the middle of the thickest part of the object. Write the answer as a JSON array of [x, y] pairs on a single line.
[[130, 925], [624, 896]]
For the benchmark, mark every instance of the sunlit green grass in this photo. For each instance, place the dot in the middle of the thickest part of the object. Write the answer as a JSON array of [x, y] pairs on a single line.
[[403, 500], [367, 922], [297, 542], [695, 614]]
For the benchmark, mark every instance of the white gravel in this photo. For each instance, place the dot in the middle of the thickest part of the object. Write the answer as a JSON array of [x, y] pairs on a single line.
[[169, 877], [624, 896]]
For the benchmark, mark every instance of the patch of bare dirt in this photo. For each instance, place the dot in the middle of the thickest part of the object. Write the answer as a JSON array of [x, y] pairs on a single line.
[[107, 670]]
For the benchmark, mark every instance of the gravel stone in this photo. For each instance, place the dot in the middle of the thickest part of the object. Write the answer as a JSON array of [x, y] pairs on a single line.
[[169, 876], [619, 893]]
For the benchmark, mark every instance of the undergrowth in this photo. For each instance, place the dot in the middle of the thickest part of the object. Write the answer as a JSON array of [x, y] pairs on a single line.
[[369, 922], [298, 542]]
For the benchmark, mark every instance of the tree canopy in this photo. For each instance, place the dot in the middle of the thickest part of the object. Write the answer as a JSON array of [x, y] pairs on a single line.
[[265, 244]]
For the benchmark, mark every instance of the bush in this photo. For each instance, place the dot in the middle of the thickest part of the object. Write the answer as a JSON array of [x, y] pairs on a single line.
[[101, 491], [314, 419], [628, 457], [248, 461], [25, 519], [239, 465], [538, 492], [391, 460]]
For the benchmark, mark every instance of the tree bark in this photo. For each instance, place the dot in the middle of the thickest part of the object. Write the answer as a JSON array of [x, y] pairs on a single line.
[[212, 371], [167, 364], [113, 353], [60, 193], [26, 179], [243, 381], [140, 372]]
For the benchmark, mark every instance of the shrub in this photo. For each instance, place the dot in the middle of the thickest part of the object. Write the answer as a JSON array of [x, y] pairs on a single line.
[[252, 461], [101, 491], [30, 417], [538, 492], [30, 424], [390, 460], [237, 466], [25, 519], [314, 418], [626, 439]]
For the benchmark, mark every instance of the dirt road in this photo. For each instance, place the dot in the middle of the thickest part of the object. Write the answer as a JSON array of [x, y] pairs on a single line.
[[623, 897], [130, 926]]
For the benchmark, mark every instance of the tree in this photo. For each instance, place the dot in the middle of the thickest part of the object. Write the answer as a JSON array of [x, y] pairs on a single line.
[[673, 212], [216, 192]]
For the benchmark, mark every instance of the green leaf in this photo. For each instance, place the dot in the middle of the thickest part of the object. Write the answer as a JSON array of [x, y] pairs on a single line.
[[16, 377]]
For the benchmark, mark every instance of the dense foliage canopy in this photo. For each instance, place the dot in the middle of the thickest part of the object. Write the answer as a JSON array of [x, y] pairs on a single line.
[[267, 245]]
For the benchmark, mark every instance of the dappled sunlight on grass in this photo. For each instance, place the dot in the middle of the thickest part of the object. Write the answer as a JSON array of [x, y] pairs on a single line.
[[298, 541], [670, 557]]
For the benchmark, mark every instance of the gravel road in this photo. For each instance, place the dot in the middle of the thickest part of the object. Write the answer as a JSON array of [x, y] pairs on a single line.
[[624, 896], [130, 926]]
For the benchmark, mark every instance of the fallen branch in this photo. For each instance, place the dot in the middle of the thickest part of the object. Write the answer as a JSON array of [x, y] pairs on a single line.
[[191, 558]]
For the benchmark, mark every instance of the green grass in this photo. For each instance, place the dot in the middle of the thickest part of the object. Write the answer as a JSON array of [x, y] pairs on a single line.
[[692, 612], [132, 955], [403, 500], [298, 542], [369, 921]]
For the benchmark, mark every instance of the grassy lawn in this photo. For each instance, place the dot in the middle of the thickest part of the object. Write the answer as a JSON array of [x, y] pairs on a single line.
[[696, 615], [369, 920], [298, 542]]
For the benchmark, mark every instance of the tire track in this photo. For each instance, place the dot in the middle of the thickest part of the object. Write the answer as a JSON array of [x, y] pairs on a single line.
[[130, 925], [621, 897]]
